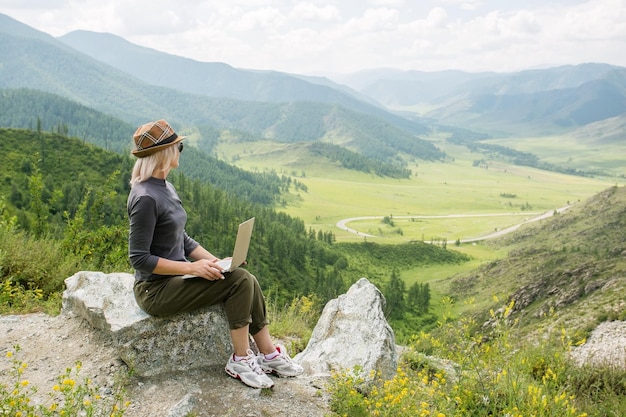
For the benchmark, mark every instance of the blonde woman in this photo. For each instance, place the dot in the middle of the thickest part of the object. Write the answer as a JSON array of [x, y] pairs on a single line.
[[161, 252]]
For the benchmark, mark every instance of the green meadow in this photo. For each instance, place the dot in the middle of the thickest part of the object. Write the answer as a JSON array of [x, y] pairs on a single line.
[[469, 200], [493, 196], [580, 151]]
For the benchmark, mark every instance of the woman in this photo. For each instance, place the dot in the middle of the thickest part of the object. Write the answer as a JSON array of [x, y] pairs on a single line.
[[159, 249]]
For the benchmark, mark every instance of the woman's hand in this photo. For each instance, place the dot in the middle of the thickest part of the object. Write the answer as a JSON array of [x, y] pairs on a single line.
[[207, 269]]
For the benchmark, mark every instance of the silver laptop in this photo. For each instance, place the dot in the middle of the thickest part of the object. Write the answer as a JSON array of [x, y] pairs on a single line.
[[240, 252]]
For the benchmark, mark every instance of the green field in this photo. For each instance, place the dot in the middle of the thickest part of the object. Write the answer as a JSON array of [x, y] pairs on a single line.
[[510, 193], [587, 153]]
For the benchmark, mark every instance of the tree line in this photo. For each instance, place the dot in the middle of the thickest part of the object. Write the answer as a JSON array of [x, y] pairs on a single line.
[[354, 161], [67, 200]]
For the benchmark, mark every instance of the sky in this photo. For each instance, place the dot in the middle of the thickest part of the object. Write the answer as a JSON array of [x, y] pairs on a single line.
[[319, 37]]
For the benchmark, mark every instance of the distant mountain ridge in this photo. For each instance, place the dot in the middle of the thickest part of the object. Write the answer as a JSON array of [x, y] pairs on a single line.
[[214, 79], [220, 80], [133, 83], [40, 62], [564, 97]]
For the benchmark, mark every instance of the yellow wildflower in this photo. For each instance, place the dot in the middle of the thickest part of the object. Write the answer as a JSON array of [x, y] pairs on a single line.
[[68, 381]]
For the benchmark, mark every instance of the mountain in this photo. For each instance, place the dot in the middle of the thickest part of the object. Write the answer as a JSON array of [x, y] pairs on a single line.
[[37, 61], [396, 88], [544, 100], [213, 79], [547, 109], [603, 132], [216, 79], [564, 272]]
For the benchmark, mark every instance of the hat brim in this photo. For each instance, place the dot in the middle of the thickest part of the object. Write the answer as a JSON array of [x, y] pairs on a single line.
[[141, 153]]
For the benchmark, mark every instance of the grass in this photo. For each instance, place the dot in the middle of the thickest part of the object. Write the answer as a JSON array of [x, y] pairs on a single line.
[[436, 188], [573, 151], [508, 193], [459, 371], [294, 323]]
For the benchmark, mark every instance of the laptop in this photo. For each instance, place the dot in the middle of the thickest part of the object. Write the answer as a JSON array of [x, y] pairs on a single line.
[[240, 252]]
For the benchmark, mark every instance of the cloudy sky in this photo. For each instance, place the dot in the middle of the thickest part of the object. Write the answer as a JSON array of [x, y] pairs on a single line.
[[326, 36]]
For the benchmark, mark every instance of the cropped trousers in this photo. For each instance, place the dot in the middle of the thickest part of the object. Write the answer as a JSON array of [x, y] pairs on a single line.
[[239, 291]]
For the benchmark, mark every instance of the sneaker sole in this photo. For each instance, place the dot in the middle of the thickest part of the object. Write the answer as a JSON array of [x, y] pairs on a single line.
[[281, 374], [238, 376]]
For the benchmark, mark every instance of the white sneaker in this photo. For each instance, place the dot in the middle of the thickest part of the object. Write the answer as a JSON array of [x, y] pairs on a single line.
[[281, 365], [248, 371]]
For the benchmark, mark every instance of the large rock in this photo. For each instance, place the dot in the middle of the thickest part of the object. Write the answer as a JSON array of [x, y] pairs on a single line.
[[148, 345], [352, 332]]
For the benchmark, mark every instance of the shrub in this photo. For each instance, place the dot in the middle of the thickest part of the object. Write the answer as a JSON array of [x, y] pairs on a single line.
[[484, 373], [294, 322]]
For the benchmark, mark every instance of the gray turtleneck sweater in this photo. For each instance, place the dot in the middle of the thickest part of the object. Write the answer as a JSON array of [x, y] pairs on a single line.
[[157, 227]]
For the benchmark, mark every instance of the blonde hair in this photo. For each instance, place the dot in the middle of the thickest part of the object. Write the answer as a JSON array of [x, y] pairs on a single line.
[[146, 167]]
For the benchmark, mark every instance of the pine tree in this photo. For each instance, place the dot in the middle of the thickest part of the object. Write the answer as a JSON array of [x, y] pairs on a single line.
[[394, 295]]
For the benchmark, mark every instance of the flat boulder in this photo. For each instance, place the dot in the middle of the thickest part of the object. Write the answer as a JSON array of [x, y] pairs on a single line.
[[352, 332], [148, 345]]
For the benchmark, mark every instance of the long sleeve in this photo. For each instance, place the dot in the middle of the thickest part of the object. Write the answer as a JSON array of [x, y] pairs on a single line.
[[157, 227]]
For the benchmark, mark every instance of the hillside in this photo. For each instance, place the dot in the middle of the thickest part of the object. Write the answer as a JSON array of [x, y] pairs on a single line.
[[67, 198], [565, 272], [220, 80], [215, 79], [36, 61], [46, 113], [539, 101], [604, 132]]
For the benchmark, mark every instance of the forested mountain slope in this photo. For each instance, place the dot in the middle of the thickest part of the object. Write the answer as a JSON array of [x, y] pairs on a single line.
[[59, 188], [38, 62], [45, 112]]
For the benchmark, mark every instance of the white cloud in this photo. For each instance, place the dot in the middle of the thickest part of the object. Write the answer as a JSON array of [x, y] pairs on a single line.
[[387, 3], [465, 4], [263, 19], [308, 36], [381, 18], [437, 17], [308, 11]]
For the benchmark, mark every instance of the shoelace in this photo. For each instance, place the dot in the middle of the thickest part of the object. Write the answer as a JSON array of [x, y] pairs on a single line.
[[251, 359]]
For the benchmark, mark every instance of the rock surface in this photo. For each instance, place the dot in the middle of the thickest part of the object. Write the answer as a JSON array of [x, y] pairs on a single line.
[[148, 345], [50, 345], [605, 346], [351, 332], [177, 362]]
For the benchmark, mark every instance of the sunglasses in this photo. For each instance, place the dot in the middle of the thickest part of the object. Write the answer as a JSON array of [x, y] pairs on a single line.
[[180, 147]]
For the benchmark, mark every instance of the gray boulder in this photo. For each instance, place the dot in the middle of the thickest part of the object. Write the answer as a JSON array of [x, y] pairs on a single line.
[[148, 345], [352, 332]]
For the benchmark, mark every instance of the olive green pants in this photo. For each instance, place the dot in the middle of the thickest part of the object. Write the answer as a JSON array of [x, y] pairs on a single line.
[[239, 292]]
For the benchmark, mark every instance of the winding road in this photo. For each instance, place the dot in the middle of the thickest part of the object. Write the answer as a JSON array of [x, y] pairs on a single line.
[[342, 224]]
